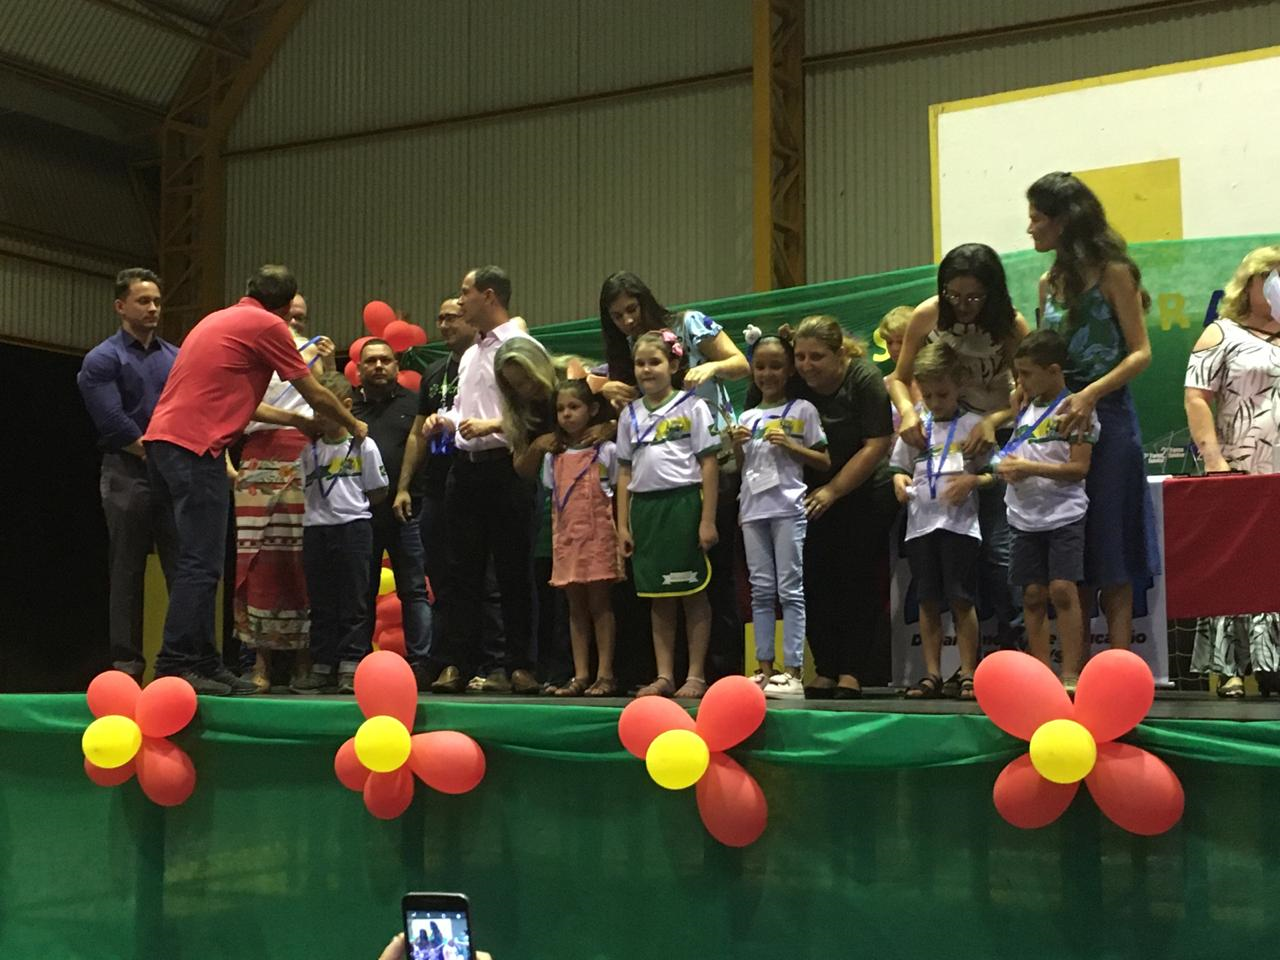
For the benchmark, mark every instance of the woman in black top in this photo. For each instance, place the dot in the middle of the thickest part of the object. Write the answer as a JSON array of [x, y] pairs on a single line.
[[850, 507]]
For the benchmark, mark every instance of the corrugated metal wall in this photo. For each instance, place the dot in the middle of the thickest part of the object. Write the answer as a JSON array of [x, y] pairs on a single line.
[[53, 299], [657, 182], [867, 120]]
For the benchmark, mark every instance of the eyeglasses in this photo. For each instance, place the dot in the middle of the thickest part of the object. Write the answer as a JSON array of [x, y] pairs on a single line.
[[973, 300]]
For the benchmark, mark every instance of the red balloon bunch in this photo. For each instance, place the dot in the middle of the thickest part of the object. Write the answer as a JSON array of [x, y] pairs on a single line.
[[130, 735], [732, 805], [388, 624], [1070, 742], [381, 760]]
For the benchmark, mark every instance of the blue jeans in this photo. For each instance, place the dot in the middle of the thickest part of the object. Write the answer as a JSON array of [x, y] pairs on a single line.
[[336, 561], [193, 489], [403, 544], [775, 566]]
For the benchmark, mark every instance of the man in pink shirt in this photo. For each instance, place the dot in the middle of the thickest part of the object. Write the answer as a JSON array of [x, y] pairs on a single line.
[[214, 390]]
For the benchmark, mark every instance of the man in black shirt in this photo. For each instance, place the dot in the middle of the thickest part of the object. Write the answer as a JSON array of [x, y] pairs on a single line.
[[390, 409], [439, 385]]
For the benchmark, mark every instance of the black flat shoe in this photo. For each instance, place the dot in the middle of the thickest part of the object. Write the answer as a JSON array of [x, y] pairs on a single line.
[[847, 693], [819, 693]]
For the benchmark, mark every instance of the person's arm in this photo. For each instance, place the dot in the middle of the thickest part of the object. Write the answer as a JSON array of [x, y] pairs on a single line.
[[322, 401], [1076, 468], [1203, 373], [707, 535], [97, 383], [983, 435], [923, 321], [738, 437], [266, 413], [373, 472], [851, 476], [526, 464], [622, 494], [816, 459], [415, 448], [1122, 293], [723, 360]]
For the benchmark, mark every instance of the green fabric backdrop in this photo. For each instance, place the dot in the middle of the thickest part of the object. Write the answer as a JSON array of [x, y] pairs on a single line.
[[1181, 276], [882, 842]]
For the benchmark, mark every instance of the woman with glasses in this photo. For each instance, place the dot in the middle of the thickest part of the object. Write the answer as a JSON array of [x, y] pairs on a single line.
[[1093, 296], [972, 313]]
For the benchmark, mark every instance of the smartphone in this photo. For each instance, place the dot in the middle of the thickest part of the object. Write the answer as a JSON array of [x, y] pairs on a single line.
[[437, 926]]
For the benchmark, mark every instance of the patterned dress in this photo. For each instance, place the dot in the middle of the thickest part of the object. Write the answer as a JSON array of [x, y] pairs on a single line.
[[1243, 373]]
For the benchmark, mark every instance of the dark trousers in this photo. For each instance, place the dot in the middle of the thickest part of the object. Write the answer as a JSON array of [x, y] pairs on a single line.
[[335, 559], [489, 511], [192, 489], [133, 526], [403, 544], [995, 596], [846, 571], [725, 655]]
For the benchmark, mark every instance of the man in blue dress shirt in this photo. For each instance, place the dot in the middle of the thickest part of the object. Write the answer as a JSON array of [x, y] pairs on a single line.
[[121, 380]]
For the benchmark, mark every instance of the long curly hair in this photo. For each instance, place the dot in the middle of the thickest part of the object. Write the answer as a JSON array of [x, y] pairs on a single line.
[[522, 419], [1088, 243], [1234, 304]]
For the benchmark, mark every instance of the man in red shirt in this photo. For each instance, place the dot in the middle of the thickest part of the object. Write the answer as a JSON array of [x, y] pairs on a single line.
[[214, 390]]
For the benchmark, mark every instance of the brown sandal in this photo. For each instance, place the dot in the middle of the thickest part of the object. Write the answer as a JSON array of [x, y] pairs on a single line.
[[693, 689], [574, 688], [603, 687], [661, 687]]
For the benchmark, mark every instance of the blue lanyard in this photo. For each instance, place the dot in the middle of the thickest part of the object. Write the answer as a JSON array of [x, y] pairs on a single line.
[[1016, 441], [555, 498], [658, 416], [325, 491], [931, 475]]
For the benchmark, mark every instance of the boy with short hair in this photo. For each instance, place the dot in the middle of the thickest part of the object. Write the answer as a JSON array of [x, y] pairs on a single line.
[[1047, 503], [342, 477]]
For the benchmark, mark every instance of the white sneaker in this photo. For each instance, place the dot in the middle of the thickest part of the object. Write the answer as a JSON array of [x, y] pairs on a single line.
[[759, 679], [784, 686]]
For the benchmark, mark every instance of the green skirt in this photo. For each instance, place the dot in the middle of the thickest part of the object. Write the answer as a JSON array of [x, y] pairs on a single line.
[[668, 562]]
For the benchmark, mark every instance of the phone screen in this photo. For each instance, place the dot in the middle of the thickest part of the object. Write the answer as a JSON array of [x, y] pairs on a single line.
[[437, 934]]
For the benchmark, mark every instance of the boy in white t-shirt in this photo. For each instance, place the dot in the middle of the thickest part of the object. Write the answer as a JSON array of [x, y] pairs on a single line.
[[943, 543], [1046, 502], [342, 478]]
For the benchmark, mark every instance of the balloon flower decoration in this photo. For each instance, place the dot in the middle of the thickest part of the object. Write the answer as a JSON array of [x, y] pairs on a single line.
[[679, 753], [1073, 742], [129, 735], [381, 759]]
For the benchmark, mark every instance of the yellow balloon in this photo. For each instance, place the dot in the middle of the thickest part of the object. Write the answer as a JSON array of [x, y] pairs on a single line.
[[111, 742], [1063, 751], [386, 582], [382, 744], [677, 759]]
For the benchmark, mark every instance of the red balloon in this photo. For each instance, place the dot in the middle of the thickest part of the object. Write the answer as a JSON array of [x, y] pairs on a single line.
[[447, 761], [399, 335], [1114, 693], [353, 352], [419, 335], [165, 707], [1019, 693], [387, 795], [351, 773], [1135, 789], [409, 379], [730, 711], [113, 693], [351, 373], [385, 685], [391, 638], [377, 315], [108, 778], [388, 611], [645, 718], [165, 772], [1028, 800], [731, 803]]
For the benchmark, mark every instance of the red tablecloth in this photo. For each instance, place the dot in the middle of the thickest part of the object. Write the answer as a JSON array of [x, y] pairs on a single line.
[[1222, 545]]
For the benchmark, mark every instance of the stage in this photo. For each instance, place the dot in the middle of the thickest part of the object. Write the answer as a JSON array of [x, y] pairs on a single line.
[[882, 841]]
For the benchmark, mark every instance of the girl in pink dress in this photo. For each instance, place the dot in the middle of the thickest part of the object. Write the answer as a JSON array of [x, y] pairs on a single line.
[[585, 559]]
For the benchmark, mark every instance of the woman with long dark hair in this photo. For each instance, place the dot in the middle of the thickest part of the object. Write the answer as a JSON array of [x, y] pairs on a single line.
[[1093, 296], [628, 309], [973, 313]]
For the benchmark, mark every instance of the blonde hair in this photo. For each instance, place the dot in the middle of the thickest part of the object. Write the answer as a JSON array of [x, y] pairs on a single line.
[[1234, 304], [895, 322], [827, 331], [938, 360], [520, 417]]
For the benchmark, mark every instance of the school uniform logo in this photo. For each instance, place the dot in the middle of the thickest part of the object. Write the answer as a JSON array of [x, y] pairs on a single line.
[[673, 428], [682, 576]]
